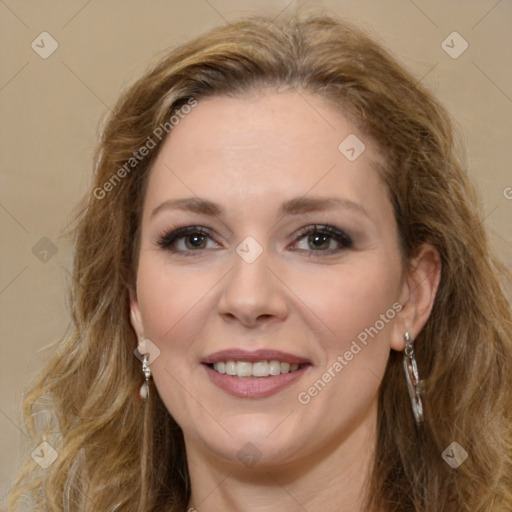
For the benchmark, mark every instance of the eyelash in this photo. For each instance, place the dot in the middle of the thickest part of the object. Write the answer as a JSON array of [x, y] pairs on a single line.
[[167, 240]]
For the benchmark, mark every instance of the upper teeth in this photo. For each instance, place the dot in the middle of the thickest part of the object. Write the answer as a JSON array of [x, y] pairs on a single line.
[[258, 369]]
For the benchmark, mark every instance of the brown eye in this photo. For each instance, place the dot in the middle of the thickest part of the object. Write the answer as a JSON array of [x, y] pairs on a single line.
[[323, 239], [319, 241], [195, 241], [187, 240]]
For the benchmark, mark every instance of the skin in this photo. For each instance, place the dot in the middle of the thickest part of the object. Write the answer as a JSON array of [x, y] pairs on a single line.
[[249, 155]]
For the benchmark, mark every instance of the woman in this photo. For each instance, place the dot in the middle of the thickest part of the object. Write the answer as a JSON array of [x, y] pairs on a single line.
[[281, 228]]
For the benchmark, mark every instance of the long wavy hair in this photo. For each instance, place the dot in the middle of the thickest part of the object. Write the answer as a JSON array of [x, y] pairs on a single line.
[[117, 453]]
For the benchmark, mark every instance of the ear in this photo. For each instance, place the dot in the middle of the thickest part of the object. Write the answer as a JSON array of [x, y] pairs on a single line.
[[417, 295], [135, 316]]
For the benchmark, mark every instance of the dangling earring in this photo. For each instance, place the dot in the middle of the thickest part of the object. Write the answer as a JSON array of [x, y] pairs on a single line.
[[146, 370], [413, 380]]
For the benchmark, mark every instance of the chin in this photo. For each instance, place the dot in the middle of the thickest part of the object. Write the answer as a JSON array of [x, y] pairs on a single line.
[[251, 441]]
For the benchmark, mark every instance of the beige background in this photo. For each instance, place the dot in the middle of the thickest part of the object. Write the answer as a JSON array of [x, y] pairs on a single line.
[[51, 111]]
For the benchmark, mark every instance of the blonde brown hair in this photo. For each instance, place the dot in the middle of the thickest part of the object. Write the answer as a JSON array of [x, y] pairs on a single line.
[[115, 453]]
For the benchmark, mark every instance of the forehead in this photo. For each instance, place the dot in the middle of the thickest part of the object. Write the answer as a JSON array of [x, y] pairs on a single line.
[[262, 146], [263, 125]]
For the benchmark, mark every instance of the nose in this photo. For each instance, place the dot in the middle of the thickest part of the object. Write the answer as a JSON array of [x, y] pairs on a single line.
[[252, 294]]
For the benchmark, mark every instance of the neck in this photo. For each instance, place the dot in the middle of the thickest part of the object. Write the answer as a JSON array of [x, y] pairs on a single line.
[[332, 479]]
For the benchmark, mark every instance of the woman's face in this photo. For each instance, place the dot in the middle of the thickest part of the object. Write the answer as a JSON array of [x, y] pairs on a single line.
[[266, 245]]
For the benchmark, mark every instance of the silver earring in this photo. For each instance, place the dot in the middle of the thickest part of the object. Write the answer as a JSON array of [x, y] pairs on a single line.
[[413, 380], [146, 370]]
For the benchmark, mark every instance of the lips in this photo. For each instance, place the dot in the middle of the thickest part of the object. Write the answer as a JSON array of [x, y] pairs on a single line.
[[255, 374], [254, 356]]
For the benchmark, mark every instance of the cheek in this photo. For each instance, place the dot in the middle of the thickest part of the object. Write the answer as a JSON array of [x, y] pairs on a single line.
[[171, 302], [174, 303], [168, 296], [358, 307], [348, 299]]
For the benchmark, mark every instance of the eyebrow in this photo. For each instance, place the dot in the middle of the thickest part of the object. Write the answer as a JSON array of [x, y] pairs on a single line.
[[295, 206]]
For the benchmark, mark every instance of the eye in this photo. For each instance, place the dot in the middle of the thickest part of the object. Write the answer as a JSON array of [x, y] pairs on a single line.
[[187, 239], [323, 238]]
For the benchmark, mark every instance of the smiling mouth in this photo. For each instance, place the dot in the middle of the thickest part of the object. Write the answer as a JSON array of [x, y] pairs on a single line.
[[258, 369]]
